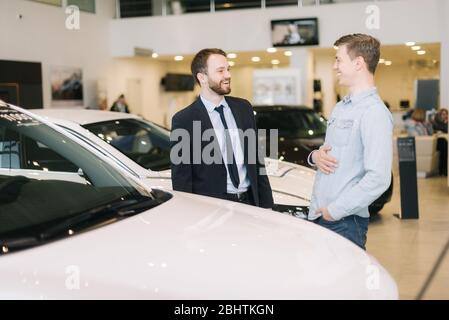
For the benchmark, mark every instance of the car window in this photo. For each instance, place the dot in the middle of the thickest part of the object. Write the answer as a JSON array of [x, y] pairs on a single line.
[[292, 123], [141, 141], [48, 181]]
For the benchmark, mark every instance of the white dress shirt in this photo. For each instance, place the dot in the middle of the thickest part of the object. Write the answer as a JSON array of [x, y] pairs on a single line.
[[235, 139]]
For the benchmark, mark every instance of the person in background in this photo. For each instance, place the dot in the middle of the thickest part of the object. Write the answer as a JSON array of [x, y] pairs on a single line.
[[440, 121], [120, 105], [440, 125], [417, 125]]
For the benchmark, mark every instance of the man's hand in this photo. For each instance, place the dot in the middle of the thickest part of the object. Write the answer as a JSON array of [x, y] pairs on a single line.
[[326, 163], [325, 214]]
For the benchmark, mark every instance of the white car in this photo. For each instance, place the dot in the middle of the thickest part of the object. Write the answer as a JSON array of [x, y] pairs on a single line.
[[75, 225], [144, 148]]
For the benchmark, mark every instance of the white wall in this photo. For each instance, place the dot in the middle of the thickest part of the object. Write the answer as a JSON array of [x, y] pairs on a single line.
[[249, 30], [41, 36]]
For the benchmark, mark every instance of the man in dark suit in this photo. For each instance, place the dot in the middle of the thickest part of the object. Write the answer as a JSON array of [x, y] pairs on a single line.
[[236, 176]]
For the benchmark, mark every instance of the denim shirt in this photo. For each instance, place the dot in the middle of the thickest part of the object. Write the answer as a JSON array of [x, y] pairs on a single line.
[[360, 132]]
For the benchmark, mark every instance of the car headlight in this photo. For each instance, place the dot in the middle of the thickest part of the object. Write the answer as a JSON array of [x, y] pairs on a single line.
[[296, 211]]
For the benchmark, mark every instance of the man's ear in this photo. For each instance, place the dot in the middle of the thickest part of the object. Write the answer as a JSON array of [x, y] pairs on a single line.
[[360, 63], [202, 78]]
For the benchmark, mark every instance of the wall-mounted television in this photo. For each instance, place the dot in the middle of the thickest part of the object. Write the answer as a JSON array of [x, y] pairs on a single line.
[[294, 32], [178, 82]]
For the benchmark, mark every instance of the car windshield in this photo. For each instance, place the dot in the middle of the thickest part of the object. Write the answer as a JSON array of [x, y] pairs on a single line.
[[292, 123], [142, 141], [49, 182]]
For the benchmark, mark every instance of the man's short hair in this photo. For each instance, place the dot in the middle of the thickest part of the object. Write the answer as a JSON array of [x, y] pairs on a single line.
[[199, 62], [362, 45]]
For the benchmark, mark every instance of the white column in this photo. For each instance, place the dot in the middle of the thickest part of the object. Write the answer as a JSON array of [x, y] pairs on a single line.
[[302, 59]]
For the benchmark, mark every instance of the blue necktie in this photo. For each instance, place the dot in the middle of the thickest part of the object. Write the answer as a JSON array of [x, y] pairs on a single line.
[[232, 167]]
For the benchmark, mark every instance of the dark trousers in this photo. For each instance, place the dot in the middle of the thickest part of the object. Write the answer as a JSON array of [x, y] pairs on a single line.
[[353, 228], [246, 199], [442, 148]]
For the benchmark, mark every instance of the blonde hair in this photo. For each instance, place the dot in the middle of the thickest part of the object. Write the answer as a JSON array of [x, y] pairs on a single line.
[[419, 115]]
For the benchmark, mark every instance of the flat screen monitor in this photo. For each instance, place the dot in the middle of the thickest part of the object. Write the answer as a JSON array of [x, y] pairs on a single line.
[[294, 32], [178, 82]]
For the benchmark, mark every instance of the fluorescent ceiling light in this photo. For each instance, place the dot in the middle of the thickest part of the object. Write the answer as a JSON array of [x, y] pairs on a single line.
[[255, 59], [414, 48], [179, 58], [155, 55], [409, 44], [232, 55], [421, 52], [272, 50], [288, 53], [275, 61]]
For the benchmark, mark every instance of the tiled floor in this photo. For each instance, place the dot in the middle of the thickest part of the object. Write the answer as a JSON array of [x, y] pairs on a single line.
[[409, 249]]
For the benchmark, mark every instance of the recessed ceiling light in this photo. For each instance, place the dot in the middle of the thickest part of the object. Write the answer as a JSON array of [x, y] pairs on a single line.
[[155, 55], [414, 48], [335, 47], [232, 55], [255, 59], [272, 50], [288, 53], [381, 60], [275, 61], [388, 63], [232, 63], [409, 44], [179, 58], [421, 52]]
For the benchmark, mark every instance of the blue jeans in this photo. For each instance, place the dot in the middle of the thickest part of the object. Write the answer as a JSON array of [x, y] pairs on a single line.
[[353, 228]]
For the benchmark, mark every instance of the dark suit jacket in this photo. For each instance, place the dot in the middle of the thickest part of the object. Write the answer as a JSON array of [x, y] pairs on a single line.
[[211, 179]]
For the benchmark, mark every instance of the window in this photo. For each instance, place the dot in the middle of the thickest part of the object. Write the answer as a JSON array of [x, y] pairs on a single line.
[[188, 6], [135, 8], [273, 3], [141, 141], [52, 2], [236, 4], [83, 5]]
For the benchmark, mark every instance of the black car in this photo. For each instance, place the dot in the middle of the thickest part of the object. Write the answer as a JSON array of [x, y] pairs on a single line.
[[301, 130]]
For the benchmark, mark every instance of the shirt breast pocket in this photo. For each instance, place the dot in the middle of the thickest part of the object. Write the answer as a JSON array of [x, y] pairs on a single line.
[[340, 132]]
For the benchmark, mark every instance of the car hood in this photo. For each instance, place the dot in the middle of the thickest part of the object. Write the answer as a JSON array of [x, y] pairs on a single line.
[[291, 184], [194, 247]]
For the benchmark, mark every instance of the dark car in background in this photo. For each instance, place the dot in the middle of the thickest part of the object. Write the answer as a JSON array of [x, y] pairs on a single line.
[[301, 130]]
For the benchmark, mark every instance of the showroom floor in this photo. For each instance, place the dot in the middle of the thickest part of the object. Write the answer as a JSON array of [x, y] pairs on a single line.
[[411, 249]]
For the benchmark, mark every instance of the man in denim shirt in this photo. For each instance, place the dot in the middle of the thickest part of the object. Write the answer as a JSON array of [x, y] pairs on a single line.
[[355, 161]]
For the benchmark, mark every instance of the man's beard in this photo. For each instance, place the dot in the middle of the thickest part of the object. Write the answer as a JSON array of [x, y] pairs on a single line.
[[215, 87]]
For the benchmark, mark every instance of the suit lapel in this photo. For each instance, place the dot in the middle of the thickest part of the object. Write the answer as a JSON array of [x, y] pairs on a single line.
[[206, 124], [203, 115], [237, 113]]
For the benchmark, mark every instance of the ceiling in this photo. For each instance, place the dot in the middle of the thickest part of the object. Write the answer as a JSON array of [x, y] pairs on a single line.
[[397, 54]]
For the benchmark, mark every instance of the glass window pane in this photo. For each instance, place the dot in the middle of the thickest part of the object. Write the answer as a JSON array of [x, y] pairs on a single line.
[[53, 2], [187, 6], [84, 5], [273, 3], [236, 4], [141, 141], [135, 8]]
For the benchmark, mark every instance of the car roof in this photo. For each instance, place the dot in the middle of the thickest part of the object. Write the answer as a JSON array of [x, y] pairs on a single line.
[[83, 116], [260, 108]]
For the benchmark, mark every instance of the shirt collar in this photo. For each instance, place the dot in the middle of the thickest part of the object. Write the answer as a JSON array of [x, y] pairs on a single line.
[[360, 96], [210, 107]]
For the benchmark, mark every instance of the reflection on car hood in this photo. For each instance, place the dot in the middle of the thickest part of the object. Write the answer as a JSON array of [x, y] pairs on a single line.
[[194, 247], [292, 184]]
